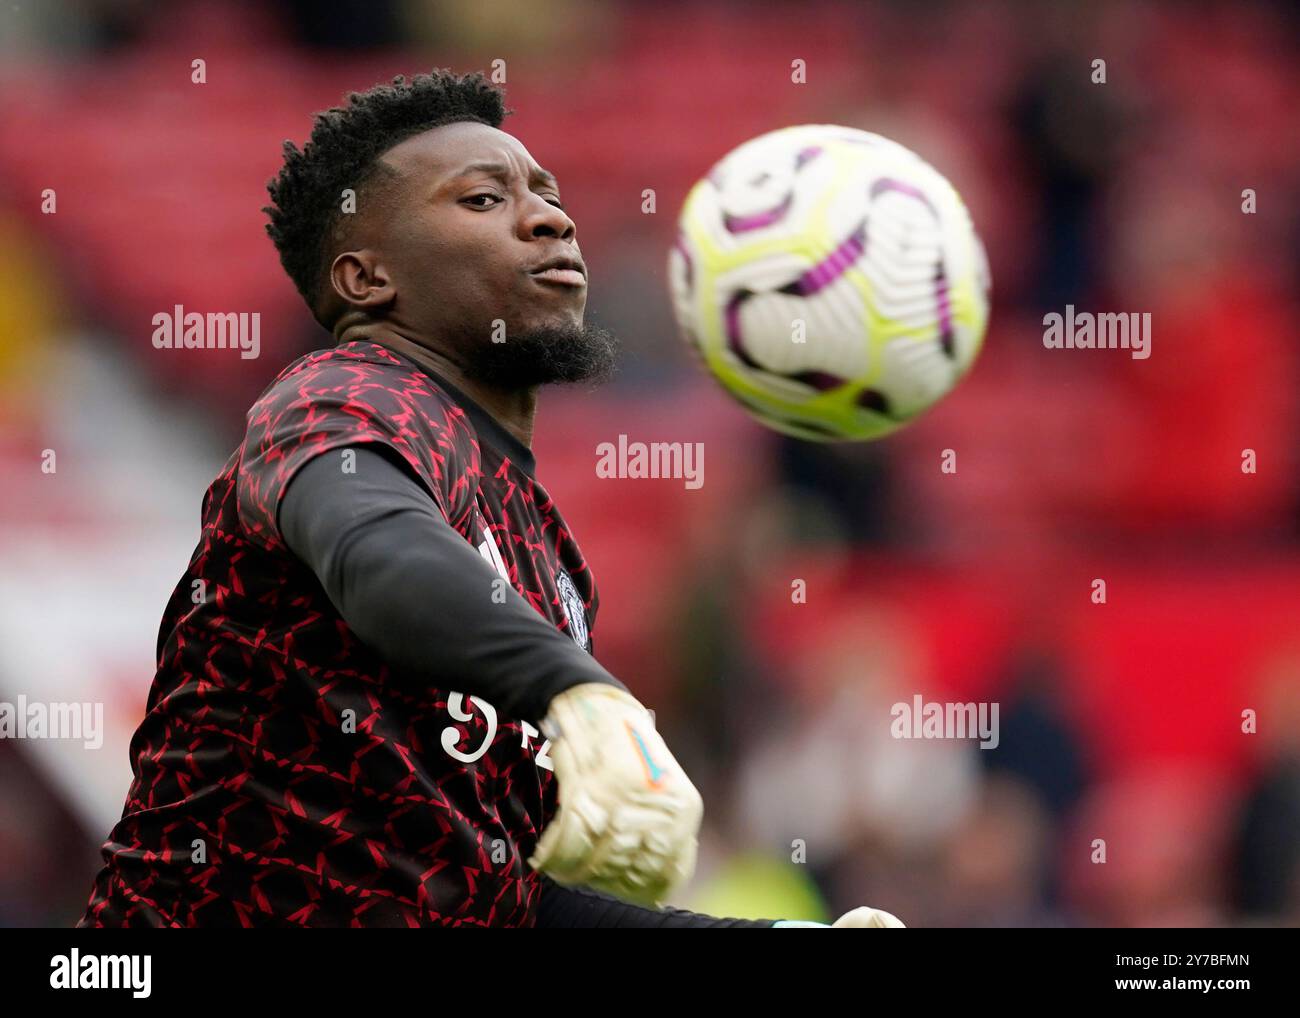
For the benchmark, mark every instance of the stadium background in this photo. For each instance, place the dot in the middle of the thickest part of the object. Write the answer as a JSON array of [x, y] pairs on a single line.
[[1120, 722]]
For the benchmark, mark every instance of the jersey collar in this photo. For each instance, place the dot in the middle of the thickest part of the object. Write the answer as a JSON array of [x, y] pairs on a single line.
[[489, 429]]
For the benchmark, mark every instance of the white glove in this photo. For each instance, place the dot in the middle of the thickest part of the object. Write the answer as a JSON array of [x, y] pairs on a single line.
[[868, 918], [628, 816], [859, 918]]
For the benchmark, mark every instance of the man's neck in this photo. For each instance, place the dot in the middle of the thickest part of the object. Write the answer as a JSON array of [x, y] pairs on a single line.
[[513, 409]]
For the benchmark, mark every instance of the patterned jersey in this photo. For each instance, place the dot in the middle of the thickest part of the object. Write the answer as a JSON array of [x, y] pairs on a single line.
[[282, 775]]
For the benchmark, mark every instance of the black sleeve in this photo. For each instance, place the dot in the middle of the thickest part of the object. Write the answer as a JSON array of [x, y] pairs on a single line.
[[415, 591], [582, 908]]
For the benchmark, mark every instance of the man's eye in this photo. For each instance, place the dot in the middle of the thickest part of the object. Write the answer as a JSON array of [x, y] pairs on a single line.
[[491, 199], [556, 202]]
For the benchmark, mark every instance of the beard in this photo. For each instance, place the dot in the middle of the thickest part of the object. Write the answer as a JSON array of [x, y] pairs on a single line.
[[544, 355]]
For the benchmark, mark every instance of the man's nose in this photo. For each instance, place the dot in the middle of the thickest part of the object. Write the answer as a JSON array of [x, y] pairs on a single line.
[[546, 220]]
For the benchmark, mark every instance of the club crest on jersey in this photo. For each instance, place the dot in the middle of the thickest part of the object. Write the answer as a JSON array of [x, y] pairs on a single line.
[[574, 610]]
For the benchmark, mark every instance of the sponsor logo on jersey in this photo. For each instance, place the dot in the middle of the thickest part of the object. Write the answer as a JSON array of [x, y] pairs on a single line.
[[490, 550]]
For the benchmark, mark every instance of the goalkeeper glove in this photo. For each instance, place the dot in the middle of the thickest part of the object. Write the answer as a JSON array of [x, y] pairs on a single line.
[[628, 815], [859, 918]]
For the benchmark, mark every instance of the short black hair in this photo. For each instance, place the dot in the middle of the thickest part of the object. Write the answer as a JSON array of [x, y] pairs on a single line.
[[343, 151]]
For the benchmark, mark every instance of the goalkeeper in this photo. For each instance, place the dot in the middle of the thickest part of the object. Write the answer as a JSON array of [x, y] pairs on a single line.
[[376, 702]]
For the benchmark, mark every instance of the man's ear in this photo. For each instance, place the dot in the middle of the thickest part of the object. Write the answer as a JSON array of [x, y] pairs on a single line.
[[360, 280]]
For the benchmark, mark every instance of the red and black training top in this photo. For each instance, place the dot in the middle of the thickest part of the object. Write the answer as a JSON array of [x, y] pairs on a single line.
[[353, 743]]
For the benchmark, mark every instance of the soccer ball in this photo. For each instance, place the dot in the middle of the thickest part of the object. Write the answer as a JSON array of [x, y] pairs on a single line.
[[831, 280]]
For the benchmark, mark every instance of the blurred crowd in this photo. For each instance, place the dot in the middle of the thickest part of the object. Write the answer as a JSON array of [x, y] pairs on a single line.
[[1128, 786]]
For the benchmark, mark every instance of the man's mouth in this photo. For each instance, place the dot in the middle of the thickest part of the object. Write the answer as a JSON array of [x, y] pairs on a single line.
[[562, 270], [564, 277]]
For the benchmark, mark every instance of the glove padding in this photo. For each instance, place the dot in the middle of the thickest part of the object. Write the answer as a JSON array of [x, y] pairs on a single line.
[[868, 918], [628, 816]]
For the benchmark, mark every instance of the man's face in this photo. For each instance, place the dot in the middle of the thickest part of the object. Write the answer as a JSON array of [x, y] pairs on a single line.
[[468, 223]]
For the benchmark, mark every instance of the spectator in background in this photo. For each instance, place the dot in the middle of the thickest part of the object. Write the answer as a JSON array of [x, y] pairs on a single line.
[[1070, 133], [1039, 760], [829, 778], [993, 869], [1266, 856]]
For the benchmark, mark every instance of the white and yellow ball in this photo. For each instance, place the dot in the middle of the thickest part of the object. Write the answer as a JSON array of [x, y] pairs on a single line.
[[831, 280]]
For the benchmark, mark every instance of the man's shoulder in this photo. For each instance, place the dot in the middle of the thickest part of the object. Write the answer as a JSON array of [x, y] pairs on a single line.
[[355, 394], [361, 392], [362, 375], [358, 362]]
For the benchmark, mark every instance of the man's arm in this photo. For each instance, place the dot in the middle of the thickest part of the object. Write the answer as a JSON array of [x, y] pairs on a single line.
[[416, 592], [583, 908]]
